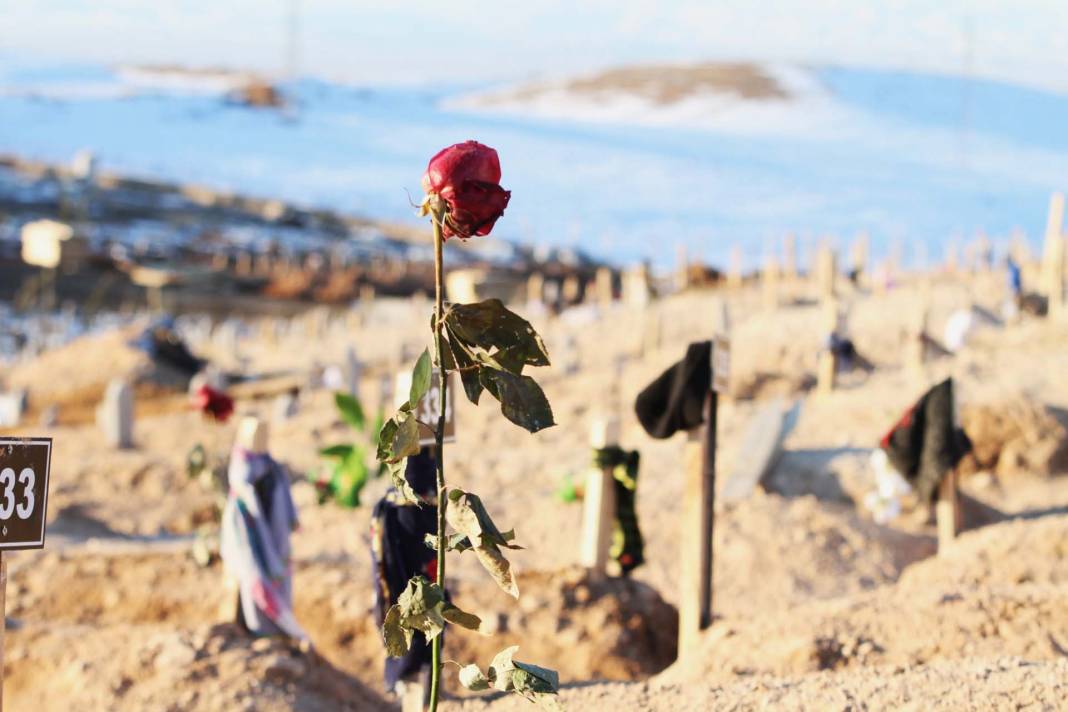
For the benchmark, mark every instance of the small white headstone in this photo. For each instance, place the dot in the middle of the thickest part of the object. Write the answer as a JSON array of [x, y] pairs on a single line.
[[353, 371], [115, 414], [12, 406]]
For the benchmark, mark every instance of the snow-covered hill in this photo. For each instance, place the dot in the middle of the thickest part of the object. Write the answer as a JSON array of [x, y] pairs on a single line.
[[628, 165]]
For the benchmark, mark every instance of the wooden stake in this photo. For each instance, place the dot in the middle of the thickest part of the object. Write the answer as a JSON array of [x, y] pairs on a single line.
[[770, 279], [698, 506], [826, 271], [600, 502], [698, 513], [734, 268], [789, 257], [947, 511], [603, 287], [1054, 226], [3, 622], [827, 368]]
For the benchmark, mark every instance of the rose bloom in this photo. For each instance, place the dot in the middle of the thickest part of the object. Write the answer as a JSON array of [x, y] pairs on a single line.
[[467, 177], [213, 403]]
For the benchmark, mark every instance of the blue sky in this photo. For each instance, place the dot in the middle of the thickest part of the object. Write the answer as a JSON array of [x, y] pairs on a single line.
[[407, 41]]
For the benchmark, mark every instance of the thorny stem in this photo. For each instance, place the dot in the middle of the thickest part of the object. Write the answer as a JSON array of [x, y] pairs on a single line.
[[439, 436]]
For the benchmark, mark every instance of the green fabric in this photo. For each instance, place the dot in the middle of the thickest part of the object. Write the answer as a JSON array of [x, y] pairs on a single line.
[[628, 548]]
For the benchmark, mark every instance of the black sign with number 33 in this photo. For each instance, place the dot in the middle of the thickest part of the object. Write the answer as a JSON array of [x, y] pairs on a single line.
[[24, 468]]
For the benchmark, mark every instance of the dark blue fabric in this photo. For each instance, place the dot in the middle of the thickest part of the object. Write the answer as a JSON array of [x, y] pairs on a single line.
[[401, 529]]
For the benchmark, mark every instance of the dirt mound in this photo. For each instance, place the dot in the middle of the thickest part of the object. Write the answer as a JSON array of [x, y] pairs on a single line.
[[937, 611], [132, 593], [82, 364], [1018, 551], [151, 667], [1016, 437], [974, 686], [608, 629], [773, 551]]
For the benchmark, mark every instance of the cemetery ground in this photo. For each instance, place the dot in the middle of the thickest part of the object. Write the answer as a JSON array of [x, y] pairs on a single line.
[[816, 606]]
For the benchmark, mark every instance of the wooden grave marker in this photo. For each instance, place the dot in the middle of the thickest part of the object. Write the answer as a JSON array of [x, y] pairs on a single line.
[[827, 368], [599, 504], [698, 510], [1052, 277]]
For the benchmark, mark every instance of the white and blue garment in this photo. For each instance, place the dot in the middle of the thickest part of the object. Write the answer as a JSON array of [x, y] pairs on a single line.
[[256, 525]]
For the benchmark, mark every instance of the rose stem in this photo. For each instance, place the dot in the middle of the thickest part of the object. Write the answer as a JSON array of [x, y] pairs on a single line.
[[439, 435]]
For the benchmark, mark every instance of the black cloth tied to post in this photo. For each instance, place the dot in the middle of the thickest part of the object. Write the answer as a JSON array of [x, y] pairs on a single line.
[[925, 444], [399, 552], [676, 399], [628, 547]]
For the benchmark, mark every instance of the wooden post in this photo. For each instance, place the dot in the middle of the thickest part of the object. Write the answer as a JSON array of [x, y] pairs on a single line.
[[859, 255], [571, 290], [947, 511], [3, 622], [603, 287], [789, 257], [682, 268], [636, 291], [826, 271], [734, 268], [1056, 280], [698, 506], [1054, 226], [1052, 277], [600, 502], [698, 513], [535, 289], [827, 369], [770, 280]]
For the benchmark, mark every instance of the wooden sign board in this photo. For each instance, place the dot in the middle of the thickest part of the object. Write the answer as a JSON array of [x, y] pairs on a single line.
[[24, 467], [721, 364], [429, 408]]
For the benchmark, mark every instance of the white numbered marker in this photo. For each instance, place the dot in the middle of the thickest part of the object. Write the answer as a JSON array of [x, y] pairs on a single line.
[[25, 508], [7, 487]]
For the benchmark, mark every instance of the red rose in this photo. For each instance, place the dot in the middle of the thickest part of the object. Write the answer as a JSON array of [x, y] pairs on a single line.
[[467, 177], [213, 403]]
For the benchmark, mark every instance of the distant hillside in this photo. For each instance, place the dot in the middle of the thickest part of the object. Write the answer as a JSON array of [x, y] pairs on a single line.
[[665, 83], [702, 95]]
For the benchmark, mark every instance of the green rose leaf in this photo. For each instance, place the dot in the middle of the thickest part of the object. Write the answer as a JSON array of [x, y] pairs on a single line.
[[399, 437], [472, 677], [339, 451], [460, 617], [533, 682], [490, 326], [421, 607], [522, 400], [400, 482], [468, 516], [398, 639], [464, 362], [455, 542], [420, 380], [350, 409]]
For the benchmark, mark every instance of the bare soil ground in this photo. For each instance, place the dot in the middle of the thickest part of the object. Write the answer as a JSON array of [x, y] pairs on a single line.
[[817, 606]]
